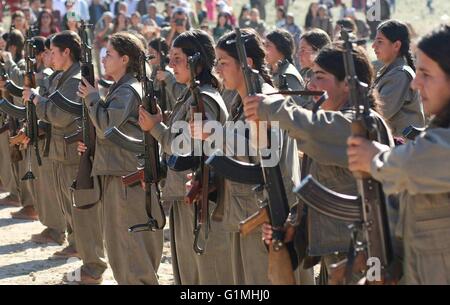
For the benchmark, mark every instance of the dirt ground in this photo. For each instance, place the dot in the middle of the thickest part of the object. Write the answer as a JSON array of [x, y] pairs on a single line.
[[23, 262]]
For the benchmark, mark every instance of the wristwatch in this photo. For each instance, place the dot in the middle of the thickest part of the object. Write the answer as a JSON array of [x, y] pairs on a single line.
[[32, 96]]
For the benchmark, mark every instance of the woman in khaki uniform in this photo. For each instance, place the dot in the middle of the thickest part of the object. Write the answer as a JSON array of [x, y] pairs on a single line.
[[420, 170], [14, 65], [249, 255], [46, 203], [83, 227], [134, 257], [401, 105], [322, 136], [214, 266], [50, 213], [311, 42], [158, 47], [279, 55]]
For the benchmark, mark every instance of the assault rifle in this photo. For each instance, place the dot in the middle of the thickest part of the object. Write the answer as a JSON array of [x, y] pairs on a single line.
[[32, 129], [84, 183], [282, 257], [201, 188], [370, 236], [152, 172]]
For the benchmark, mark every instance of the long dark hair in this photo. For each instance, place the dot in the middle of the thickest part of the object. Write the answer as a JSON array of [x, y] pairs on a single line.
[[284, 43], [316, 38], [194, 41], [331, 59], [160, 45], [129, 44], [68, 40], [254, 48], [15, 38], [437, 47], [52, 24], [395, 30]]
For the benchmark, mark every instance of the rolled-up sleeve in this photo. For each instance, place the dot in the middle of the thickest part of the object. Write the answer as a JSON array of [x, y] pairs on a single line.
[[418, 167]]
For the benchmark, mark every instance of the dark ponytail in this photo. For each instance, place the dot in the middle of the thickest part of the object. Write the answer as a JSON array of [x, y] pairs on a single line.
[[284, 43], [435, 45], [194, 41], [254, 48], [68, 40], [395, 30]]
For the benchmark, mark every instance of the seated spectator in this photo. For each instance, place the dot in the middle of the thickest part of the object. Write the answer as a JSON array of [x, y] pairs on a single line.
[[292, 28], [96, 10], [281, 18], [71, 21], [45, 23], [255, 23], [36, 7], [362, 29], [135, 23], [104, 28], [244, 16], [19, 22], [311, 15], [152, 14], [201, 13], [323, 21], [120, 22], [179, 23], [223, 26]]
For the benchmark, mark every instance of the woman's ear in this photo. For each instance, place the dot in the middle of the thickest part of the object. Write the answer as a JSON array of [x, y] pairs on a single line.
[[250, 62], [397, 46], [66, 52], [125, 59]]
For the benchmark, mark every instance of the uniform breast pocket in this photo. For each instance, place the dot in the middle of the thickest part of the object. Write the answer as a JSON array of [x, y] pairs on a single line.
[[431, 212]]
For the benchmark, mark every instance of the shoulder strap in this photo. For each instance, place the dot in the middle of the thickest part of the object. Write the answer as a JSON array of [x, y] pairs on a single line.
[[409, 71]]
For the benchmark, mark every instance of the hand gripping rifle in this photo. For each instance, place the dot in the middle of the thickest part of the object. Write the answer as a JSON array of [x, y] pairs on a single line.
[[32, 129], [370, 231], [201, 188], [152, 172], [282, 257], [84, 180]]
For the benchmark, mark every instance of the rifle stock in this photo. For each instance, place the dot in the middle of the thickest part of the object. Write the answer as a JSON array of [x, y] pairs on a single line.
[[133, 178], [152, 171], [282, 258], [17, 139], [254, 221]]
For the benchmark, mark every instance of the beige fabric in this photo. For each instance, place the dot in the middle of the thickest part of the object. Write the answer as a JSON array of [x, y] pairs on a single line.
[[401, 105], [211, 268], [134, 257], [420, 171], [6, 167]]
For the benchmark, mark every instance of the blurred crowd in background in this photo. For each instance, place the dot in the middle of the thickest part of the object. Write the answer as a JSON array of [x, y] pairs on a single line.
[[169, 18]]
